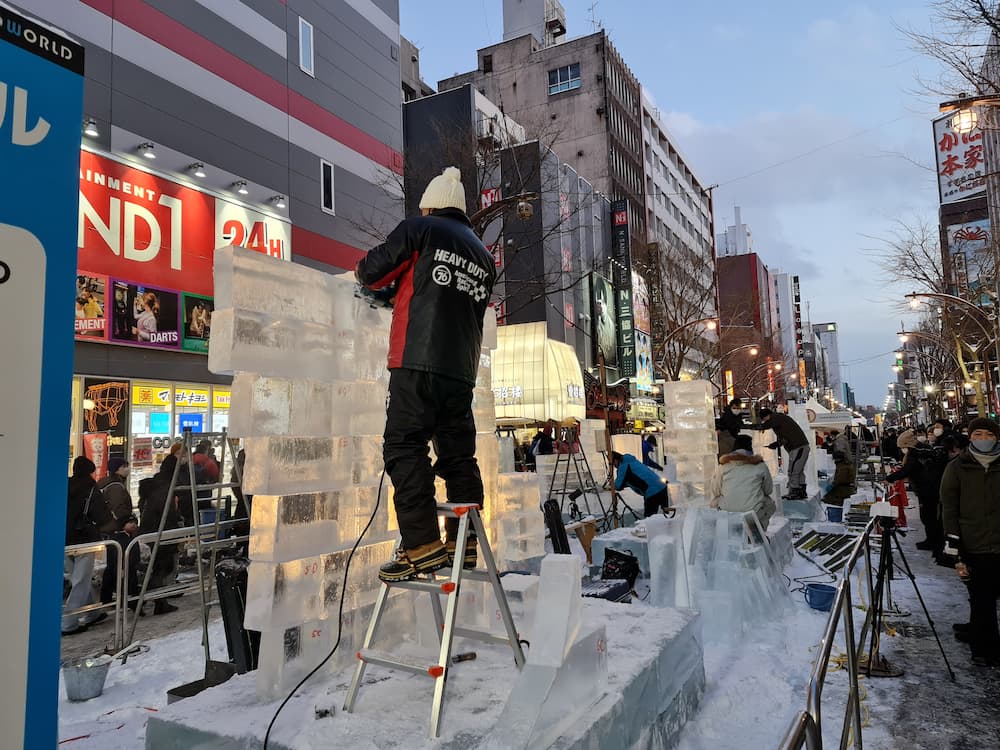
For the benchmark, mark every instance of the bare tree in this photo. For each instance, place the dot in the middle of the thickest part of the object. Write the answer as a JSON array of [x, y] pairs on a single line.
[[964, 39], [911, 257], [676, 277]]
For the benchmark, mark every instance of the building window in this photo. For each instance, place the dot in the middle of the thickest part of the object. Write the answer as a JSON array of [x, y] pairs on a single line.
[[326, 186], [306, 47], [564, 79], [487, 63]]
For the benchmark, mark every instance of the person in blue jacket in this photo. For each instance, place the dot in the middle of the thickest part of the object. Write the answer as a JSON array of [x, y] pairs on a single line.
[[630, 472], [648, 446]]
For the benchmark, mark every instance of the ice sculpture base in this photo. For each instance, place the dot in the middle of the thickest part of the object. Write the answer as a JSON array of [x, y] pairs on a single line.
[[655, 665]]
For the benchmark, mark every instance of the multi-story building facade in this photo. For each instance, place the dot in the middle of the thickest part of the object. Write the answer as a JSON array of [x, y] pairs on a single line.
[[580, 98], [544, 257], [271, 125], [748, 312], [789, 306], [826, 333], [680, 262], [736, 240]]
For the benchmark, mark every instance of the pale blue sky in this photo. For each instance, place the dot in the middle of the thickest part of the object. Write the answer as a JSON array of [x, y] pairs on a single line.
[[748, 85]]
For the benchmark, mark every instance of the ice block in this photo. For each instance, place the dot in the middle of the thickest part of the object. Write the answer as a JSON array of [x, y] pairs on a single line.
[[558, 622]]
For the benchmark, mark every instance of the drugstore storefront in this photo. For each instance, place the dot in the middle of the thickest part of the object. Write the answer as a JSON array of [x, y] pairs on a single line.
[[144, 304]]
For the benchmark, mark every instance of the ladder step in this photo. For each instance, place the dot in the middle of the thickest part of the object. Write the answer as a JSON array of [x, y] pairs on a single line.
[[456, 510], [443, 586], [481, 635], [370, 656]]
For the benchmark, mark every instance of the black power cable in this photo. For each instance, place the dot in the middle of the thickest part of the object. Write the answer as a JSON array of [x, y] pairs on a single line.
[[340, 614]]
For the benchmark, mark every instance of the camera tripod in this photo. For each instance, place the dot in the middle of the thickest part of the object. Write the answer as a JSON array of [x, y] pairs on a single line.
[[877, 666]]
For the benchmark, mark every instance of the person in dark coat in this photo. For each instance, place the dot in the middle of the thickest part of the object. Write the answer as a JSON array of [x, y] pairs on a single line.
[[86, 512], [444, 278], [792, 439], [923, 465], [970, 511], [154, 500], [114, 487], [648, 446], [731, 419]]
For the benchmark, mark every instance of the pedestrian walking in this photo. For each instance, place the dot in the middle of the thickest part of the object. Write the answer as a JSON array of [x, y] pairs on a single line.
[[443, 277]]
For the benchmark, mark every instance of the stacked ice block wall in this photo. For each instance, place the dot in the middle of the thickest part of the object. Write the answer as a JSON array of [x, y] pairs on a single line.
[[308, 358], [690, 443]]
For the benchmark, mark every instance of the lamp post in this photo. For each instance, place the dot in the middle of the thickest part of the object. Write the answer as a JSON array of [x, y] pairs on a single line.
[[711, 324], [945, 345], [770, 366]]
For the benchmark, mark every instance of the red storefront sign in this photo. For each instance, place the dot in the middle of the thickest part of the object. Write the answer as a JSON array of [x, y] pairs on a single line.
[[152, 231], [96, 448]]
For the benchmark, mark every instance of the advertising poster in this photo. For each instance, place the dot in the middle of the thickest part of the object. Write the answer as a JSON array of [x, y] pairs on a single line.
[[643, 363], [105, 409], [142, 453], [604, 320], [91, 306], [970, 246], [640, 303], [96, 448], [149, 316], [196, 326]]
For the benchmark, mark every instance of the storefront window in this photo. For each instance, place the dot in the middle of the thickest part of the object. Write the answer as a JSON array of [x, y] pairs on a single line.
[[152, 415], [191, 409]]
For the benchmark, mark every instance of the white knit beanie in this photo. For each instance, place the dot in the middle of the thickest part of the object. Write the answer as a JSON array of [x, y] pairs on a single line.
[[445, 191]]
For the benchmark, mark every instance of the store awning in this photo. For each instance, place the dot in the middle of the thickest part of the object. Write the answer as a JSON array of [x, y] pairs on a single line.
[[535, 378]]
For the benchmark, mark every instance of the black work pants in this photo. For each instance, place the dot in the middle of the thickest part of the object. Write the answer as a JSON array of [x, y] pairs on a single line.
[[930, 518], [984, 587], [654, 503], [427, 407]]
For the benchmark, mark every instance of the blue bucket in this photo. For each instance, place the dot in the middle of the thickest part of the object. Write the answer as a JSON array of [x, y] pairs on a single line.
[[835, 513], [820, 596]]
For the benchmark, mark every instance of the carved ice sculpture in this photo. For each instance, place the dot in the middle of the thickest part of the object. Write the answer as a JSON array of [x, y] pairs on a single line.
[[690, 443], [308, 399]]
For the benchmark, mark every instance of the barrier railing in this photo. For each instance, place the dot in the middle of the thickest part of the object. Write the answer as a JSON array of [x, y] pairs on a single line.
[[91, 548], [119, 606], [807, 727]]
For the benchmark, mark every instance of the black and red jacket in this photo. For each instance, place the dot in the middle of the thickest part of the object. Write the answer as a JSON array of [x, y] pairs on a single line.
[[444, 277]]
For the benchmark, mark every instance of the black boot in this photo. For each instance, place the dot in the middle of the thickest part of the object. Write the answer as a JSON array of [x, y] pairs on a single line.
[[162, 607], [409, 563]]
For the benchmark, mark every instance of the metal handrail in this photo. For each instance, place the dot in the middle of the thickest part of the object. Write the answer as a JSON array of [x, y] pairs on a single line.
[[180, 535], [807, 725], [86, 548]]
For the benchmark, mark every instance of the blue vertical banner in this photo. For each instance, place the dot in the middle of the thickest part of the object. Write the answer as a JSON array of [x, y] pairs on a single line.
[[41, 113]]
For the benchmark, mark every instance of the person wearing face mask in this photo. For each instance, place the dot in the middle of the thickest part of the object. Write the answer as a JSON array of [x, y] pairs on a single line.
[[939, 431], [923, 466], [731, 419], [970, 511]]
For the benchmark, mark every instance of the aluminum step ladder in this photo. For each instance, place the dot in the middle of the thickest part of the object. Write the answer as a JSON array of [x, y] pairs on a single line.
[[437, 586]]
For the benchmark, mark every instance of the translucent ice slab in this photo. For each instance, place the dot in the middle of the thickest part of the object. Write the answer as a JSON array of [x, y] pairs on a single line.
[[558, 622], [289, 465]]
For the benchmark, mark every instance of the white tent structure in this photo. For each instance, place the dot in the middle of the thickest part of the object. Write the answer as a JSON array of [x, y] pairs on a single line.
[[534, 378]]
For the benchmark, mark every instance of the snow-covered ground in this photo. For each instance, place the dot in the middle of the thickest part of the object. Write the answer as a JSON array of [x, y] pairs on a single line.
[[754, 686]]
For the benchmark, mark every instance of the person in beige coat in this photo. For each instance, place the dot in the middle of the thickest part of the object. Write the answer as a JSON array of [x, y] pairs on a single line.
[[743, 483]]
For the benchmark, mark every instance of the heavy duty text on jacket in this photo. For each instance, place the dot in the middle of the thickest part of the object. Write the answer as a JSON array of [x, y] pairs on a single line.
[[444, 278]]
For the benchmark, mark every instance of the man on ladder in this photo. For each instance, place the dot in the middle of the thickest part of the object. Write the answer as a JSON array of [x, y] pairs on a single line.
[[443, 277]]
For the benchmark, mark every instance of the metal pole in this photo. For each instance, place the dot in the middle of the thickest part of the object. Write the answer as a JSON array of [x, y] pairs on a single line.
[[607, 434]]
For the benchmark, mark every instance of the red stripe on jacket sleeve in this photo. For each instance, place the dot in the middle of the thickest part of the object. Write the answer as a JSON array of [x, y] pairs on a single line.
[[394, 274], [401, 314]]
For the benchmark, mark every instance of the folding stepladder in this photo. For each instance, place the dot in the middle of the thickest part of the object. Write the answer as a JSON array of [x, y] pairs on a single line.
[[436, 586]]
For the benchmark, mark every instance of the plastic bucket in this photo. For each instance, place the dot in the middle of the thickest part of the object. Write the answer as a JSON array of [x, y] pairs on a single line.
[[835, 513], [820, 596], [84, 677]]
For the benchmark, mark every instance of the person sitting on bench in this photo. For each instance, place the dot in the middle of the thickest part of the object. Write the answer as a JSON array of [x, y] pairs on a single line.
[[630, 472]]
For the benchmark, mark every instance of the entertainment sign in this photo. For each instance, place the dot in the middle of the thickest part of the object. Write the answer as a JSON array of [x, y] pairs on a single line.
[[621, 273], [145, 250]]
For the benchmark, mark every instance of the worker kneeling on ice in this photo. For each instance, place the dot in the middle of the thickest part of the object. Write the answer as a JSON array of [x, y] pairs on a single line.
[[443, 277], [631, 473], [742, 482]]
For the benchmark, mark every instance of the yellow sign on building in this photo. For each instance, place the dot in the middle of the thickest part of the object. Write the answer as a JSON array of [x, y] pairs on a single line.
[[150, 394]]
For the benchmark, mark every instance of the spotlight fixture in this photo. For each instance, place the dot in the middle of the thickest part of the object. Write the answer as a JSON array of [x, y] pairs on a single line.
[[197, 169], [90, 127], [278, 201], [146, 149], [241, 187]]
